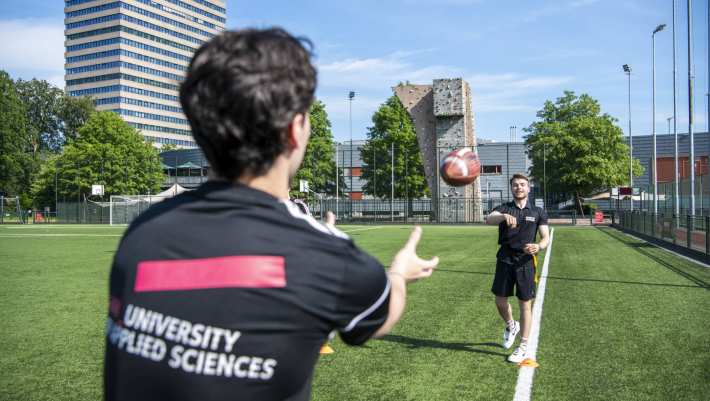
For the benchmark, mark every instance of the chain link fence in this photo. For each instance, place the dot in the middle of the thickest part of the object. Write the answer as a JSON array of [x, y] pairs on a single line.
[[690, 232]]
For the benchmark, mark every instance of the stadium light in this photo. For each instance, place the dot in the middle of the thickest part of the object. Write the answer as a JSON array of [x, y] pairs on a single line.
[[654, 163], [627, 70], [691, 159], [351, 96], [676, 198]]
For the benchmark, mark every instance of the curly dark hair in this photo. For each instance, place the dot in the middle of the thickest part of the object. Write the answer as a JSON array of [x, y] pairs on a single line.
[[242, 90]]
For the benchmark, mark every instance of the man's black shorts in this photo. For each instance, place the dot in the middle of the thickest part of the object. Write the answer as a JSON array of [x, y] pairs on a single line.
[[519, 275]]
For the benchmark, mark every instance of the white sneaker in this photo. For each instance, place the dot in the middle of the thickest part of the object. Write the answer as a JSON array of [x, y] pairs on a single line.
[[509, 335], [519, 354]]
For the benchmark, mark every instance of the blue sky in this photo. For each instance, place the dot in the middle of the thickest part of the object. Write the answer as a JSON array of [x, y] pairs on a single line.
[[514, 54]]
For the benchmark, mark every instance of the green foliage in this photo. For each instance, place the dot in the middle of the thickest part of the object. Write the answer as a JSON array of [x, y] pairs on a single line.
[[43, 103], [392, 125], [107, 151], [582, 148], [15, 162], [53, 117], [318, 166], [73, 113]]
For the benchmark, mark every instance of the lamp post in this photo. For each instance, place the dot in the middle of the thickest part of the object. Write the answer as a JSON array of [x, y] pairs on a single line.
[[654, 168], [544, 175], [351, 96], [690, 108], [627, 70], [337, 181], [676, 191]]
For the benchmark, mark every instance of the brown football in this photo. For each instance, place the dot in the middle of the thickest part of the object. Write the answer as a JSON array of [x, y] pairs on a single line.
[[460, 167]]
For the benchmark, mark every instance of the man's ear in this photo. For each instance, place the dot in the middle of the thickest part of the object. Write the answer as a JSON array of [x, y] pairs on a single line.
[[295, 128]]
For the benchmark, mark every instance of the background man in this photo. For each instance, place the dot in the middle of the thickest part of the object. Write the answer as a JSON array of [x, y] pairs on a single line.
[[518, 224], [228, 291]]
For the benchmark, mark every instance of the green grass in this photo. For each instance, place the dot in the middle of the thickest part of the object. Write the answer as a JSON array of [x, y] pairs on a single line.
[[622, 320]]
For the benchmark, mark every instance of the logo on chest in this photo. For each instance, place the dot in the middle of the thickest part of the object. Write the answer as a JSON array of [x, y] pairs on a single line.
[[530, 219]]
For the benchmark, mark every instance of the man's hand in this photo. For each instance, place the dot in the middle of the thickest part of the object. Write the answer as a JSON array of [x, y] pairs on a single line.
[[408, 265], [531, 249], [330, 219], [497, 217], [510, 220]]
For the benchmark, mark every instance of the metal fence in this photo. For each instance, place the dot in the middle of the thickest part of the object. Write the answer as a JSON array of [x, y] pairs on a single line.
[[423, 211], [398, 211], [82, 213], [691, 232]]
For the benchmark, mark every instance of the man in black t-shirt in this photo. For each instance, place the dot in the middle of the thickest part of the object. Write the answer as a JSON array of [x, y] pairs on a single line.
[[227, 292], [518, 224]]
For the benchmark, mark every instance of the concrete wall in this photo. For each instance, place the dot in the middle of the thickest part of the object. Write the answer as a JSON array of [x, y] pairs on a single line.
[[443, 119]]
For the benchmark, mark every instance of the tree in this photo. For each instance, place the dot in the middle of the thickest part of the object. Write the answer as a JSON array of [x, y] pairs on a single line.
[[53, 117], [584, 150], [106, 151], [392, 125], [43, 102], [73, 113], [318, 166], [15, 162]]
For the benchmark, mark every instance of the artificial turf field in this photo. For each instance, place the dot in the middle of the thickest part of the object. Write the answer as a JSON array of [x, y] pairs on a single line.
[[622, 320]]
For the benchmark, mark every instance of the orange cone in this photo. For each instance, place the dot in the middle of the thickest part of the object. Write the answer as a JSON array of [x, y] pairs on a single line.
[[326, 349], [531, 363]]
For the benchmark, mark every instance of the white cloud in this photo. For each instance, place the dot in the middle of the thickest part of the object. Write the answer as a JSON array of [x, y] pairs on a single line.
[[32, 45], [373, 77], [377, 73], [508, 92]]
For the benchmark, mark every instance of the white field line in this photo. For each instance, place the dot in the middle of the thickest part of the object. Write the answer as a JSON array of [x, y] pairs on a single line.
[[523, 389], [57, 235], [61, 227], [362, 229]]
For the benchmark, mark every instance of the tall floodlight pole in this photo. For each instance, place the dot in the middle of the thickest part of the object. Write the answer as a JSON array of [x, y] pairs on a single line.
[[690, 108], [544, 175], [676, 197], [392, 181], [374, 172], [627, 70], [337, 181], [351, 96], [665, 203], [654, 167], [707, 116]]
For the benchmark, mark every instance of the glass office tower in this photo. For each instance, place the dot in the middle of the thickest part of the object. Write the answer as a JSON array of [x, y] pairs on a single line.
[[130, 57]]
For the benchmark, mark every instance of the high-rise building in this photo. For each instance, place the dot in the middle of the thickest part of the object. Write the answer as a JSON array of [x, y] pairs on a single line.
[[130, 56]]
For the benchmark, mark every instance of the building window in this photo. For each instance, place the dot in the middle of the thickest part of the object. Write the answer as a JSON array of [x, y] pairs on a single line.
[[492, 169]]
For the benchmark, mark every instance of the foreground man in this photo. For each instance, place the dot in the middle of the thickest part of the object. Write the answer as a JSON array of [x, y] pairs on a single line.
[[229, 291], [518, 224]]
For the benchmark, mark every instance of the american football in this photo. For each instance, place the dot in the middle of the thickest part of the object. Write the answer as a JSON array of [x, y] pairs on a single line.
[[460, 167]]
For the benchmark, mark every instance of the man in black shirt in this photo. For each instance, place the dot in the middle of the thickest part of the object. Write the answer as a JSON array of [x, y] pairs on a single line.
[[518, 224], [228, 292]]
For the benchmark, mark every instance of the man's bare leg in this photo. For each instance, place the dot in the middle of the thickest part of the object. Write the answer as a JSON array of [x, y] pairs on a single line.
[[504, 309], [525, 319]]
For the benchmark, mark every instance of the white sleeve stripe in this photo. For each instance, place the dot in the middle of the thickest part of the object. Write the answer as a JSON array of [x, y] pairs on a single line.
[[369, 310], [297, 213]]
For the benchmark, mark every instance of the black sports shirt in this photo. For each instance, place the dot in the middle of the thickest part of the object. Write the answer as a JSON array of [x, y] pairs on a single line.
[[512, 240], [227, 293]]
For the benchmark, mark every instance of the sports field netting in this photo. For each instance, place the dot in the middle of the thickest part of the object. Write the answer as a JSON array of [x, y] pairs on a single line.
[[622, 320]]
